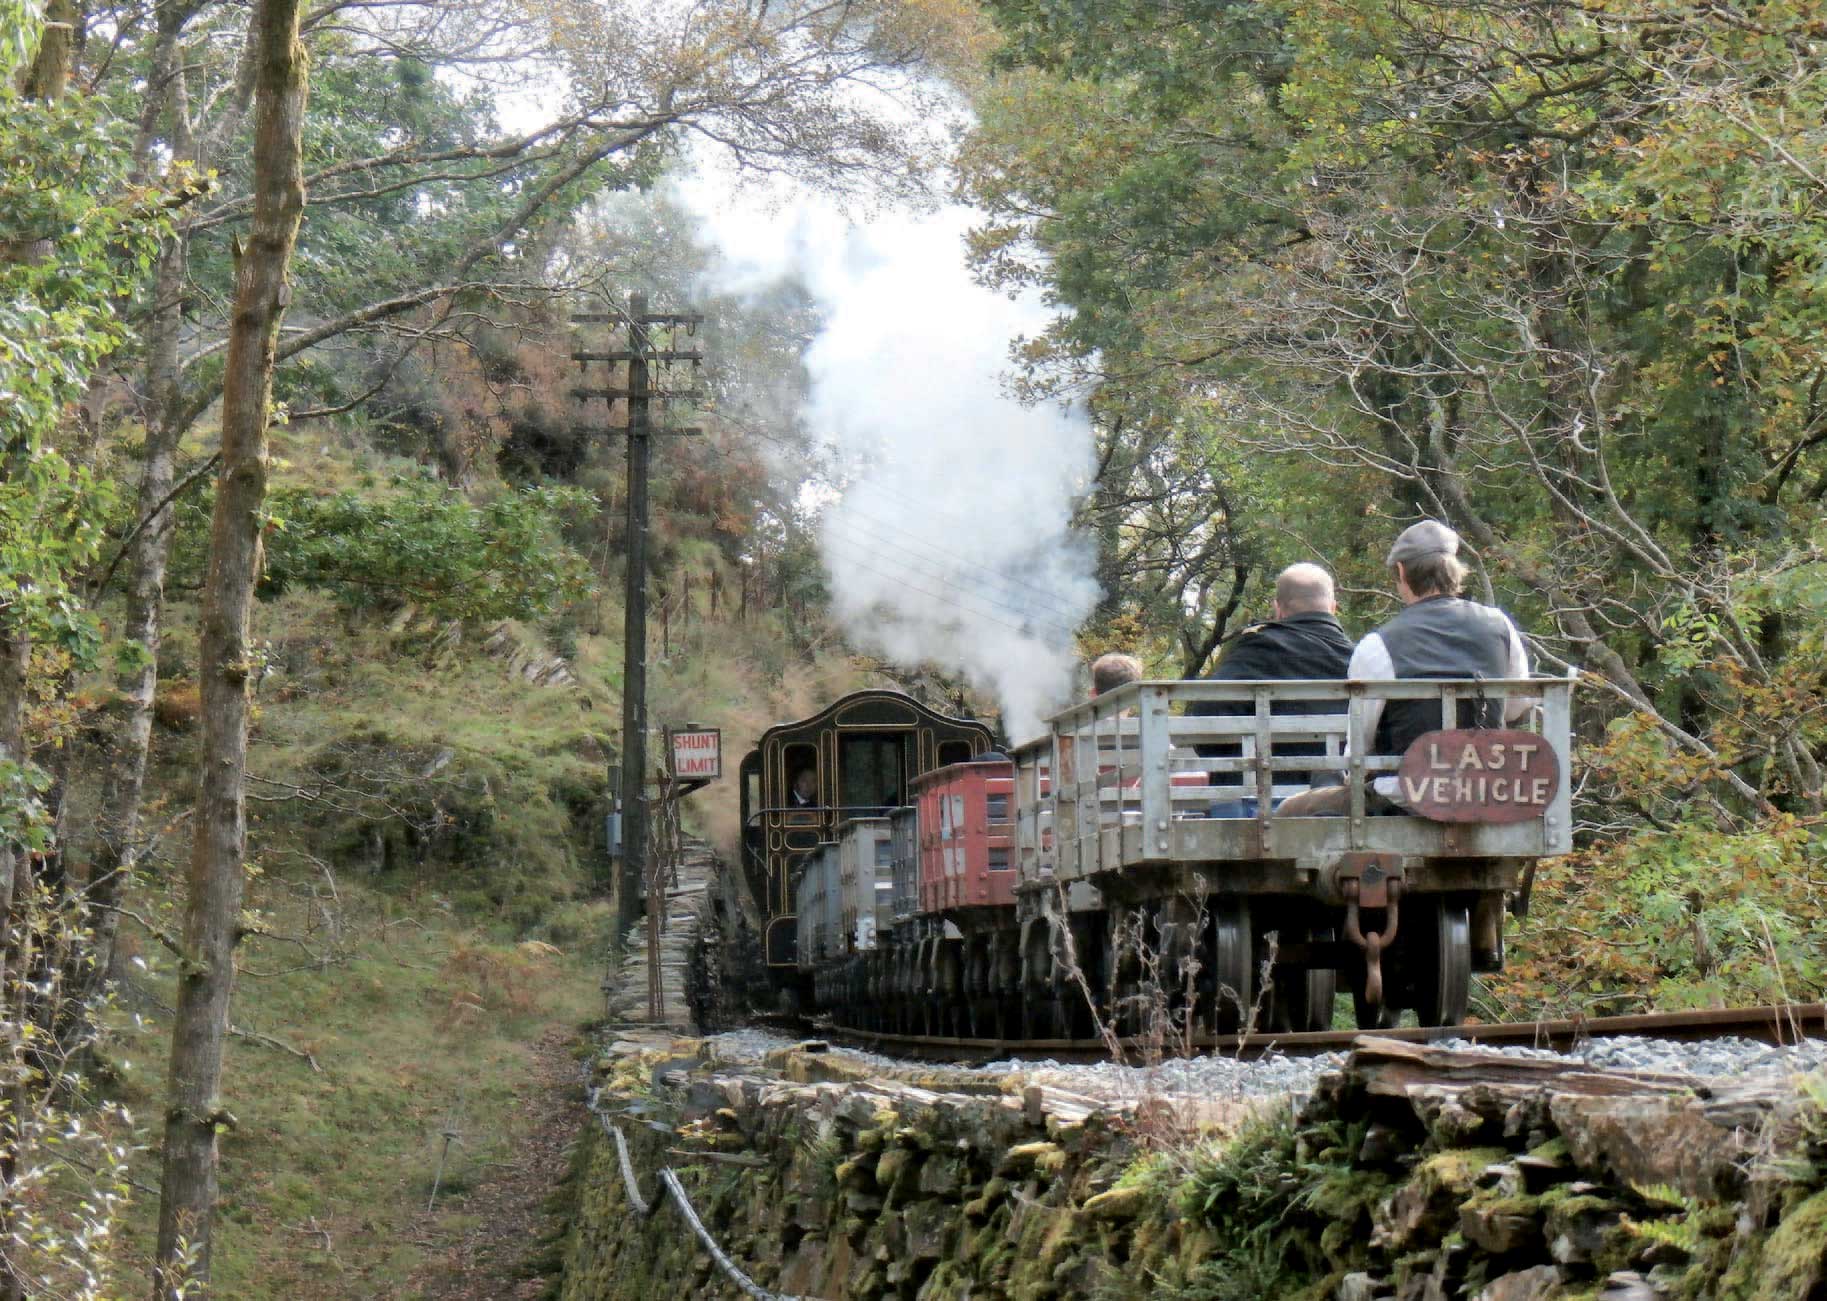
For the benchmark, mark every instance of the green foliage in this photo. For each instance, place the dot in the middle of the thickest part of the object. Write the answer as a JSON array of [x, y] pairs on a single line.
[[1534, 270], [1267, 1193], [23, 818], [19, 30], [427, 544], [74, 242], [1680, 916], [1549, 272]]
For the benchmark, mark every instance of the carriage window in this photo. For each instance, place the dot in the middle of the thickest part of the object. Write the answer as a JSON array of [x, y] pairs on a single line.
[[954, 752], [797, 759], [997, 808], [999, 858], [870, 770]]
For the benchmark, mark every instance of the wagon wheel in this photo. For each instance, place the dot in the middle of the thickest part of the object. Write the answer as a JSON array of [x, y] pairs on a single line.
[[1036, 996], [1079, 1012], [954, 1006], [1036, 1012], [1179, 966], [1007, 988], [1232, 957], [1304, 995], [1441, 974], [1117, 982]]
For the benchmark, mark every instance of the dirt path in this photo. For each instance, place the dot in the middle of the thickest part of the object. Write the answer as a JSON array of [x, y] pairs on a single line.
[[508, 1252]]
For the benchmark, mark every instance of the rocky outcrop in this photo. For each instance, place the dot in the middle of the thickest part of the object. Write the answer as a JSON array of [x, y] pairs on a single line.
[[1412, 1174]]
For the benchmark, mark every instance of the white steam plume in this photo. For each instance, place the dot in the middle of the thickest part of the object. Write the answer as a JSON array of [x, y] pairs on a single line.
[[951, 542]]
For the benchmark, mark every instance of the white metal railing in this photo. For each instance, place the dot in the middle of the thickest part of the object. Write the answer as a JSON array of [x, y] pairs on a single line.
[[1130, 785], [1034, 809]]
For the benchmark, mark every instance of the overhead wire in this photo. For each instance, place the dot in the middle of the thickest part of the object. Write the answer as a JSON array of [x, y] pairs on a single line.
[[1051, 596], [946, 600], [956, 591], [963, 590], [997, 584]]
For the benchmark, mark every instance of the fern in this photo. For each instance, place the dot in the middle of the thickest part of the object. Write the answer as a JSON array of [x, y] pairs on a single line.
[[1667, 1196], [823, 1152], [1682, 1232]]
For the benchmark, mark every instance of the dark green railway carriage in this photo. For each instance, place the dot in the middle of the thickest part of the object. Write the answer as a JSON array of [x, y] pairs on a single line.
[[863, 749]]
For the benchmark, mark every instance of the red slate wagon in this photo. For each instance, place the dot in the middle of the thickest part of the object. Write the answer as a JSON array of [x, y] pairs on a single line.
[[967, 836]]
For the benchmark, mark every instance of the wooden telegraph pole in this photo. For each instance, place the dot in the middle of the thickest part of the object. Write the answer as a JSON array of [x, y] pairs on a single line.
[[641, 356]]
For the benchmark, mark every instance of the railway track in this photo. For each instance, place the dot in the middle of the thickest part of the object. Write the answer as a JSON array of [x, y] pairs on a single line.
[[1780, 1024]]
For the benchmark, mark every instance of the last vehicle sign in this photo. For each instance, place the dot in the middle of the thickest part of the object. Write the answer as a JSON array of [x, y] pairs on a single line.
[[1479, 775]]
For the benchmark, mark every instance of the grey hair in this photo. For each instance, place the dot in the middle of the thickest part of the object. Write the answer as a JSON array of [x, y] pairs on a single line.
[[1434, 574], [1302, 588], [1108, 672]]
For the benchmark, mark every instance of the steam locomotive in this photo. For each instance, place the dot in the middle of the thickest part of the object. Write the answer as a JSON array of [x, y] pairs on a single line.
[[1094, 876]]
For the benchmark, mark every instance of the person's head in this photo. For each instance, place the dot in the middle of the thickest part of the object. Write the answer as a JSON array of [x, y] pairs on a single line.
[[805, 783], [1108, 672], [1304, 589], [1425, 561]]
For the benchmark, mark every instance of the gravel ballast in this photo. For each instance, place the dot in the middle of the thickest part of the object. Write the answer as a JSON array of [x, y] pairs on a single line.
[[1277, 1076]]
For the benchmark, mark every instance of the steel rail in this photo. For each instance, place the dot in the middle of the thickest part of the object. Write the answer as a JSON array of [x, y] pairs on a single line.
[[1780, 1024]]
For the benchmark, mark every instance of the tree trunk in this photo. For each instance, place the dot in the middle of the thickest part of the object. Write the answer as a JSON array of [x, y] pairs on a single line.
[[15, 655], [187, 1191], [124, 777], [50, 71], [124, 782]]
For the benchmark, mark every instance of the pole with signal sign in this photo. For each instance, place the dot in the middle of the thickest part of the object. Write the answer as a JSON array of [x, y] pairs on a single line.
[[652, 345]]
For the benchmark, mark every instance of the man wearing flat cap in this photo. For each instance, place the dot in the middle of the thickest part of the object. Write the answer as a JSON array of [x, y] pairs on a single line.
[[1437, 634]]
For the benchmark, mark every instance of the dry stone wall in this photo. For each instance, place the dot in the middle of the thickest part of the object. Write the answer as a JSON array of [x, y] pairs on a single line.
[[1411, 1174]]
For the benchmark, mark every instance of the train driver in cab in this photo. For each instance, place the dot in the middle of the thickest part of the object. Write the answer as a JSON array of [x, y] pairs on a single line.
[[1436, 634], [804, 793], [1302, 642]]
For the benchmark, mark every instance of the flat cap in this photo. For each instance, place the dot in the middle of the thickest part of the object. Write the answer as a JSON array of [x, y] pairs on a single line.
[[1428, 538]]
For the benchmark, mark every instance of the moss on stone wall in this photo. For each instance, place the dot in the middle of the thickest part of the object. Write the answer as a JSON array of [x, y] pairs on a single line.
[[862, 1193]]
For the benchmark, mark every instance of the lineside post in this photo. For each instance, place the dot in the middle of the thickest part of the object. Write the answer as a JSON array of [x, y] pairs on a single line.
[[634, 624], [641, 355]]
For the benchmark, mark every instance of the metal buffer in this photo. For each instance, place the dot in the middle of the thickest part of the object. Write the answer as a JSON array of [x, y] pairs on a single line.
[[651, 342]]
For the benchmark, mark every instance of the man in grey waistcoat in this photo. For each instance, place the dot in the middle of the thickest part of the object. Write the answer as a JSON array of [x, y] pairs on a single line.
[[1437, 634]]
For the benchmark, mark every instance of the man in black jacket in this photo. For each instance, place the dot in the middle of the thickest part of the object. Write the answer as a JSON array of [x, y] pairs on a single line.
[[1302, 641], [1437, 634]]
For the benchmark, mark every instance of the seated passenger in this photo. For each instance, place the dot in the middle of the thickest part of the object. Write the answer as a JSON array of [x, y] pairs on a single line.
[[1108, 672], [804, 794], [1303, 641], [1437, 634]]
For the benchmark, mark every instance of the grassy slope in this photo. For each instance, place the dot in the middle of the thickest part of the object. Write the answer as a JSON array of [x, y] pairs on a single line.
[[457, 945], [424, 1026]]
